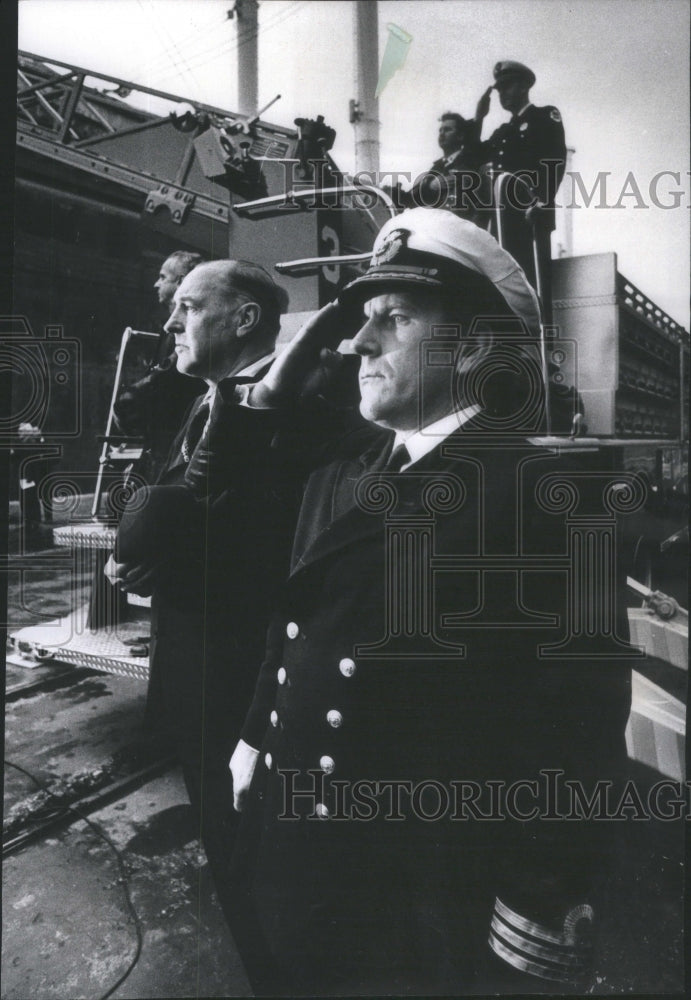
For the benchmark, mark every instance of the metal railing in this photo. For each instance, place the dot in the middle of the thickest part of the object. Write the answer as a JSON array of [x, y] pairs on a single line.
[[110, 452]]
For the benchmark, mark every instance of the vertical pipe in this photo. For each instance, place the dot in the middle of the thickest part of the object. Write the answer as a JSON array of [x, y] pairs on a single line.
[[566, 213], [248, 73], [111, 420], [366, 124]]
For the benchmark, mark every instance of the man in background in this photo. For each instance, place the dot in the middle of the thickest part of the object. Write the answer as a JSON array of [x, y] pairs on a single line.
[[442, 186], [153, 407], [173, 270], [532, 145]]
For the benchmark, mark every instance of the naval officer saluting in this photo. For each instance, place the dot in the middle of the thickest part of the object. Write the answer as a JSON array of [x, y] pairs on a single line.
[[400, 662]]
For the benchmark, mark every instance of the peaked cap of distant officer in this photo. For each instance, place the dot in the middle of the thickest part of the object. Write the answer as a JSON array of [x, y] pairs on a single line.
[[433, 248], [507, 69]]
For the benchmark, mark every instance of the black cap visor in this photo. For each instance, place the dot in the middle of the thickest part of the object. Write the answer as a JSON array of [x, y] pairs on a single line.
[[454, 280]]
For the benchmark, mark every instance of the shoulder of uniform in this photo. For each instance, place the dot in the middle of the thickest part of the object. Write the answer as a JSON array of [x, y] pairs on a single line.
[[549, 111]]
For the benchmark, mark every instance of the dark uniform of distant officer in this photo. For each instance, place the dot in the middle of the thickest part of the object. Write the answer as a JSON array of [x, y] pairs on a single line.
[[531, 144]]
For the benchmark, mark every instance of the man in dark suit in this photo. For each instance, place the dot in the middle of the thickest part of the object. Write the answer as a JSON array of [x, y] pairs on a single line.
[[442, 186], [210, 557], [424, 656], [154, 406], [531, 145]]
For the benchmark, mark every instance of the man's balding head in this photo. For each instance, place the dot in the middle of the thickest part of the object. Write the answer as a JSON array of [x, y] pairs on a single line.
[[173, 270], [243, 279], [226, 315]]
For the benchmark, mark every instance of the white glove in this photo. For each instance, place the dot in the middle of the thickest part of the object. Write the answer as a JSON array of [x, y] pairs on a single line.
[[242, 765]]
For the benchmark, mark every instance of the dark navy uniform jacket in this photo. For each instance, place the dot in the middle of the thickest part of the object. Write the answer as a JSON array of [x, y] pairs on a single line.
[[533, 141], [399, 654]]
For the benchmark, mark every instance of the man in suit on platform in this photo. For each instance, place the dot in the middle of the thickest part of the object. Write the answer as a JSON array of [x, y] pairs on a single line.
[[532, 145], [442, 185], [211, 556], [422, 656]]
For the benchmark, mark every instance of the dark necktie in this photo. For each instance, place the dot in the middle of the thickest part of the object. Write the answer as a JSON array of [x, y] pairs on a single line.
[[194, 432], [399, 457]]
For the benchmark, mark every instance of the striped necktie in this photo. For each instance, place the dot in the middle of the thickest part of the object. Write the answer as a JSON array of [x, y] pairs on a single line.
[[195, 431]]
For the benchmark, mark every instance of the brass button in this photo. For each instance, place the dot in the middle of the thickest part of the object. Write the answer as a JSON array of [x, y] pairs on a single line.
[[268, 760], [321, 810], [274, 718], [281, 675], [347, 667], [334, 718], [327, 764], [292, 630]]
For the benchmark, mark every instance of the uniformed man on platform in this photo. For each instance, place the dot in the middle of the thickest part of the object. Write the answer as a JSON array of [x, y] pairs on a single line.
[[532, 145]]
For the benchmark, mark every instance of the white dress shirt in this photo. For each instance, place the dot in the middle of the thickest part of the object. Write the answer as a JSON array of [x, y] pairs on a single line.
[[420, 443]]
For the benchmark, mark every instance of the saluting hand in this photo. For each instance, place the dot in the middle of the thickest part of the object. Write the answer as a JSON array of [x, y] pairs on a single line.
[[482, 109], [305, 364]]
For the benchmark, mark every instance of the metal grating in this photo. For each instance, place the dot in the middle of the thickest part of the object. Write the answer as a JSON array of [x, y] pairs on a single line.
[[90, 535], [67, 640]]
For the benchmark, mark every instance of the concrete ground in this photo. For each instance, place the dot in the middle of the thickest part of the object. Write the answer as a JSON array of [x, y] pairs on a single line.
[[68, 932], [67, 929]]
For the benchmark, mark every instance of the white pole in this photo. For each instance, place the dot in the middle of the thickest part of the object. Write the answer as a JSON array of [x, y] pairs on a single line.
[[246, 14], [366, 122], [565, 197], [568, 212]]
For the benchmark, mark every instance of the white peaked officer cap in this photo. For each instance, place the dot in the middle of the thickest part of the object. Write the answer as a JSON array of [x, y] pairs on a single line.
[[433, 248]]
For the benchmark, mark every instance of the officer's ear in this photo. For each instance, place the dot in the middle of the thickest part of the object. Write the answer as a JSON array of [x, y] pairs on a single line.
[[249, 316]]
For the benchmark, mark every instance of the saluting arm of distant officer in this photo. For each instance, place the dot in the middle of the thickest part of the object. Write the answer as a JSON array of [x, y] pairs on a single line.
[[482, 109], [478, 150]]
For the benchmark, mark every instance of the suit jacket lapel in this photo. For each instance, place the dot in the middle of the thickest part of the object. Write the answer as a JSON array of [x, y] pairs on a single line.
[[330, 513], [175, 454], [354, 523], [252, 373]]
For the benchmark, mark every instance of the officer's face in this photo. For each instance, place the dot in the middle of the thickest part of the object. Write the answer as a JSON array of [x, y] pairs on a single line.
[[392, 375], [513, 94], [204, 323], [450, 139], [167, 282]]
